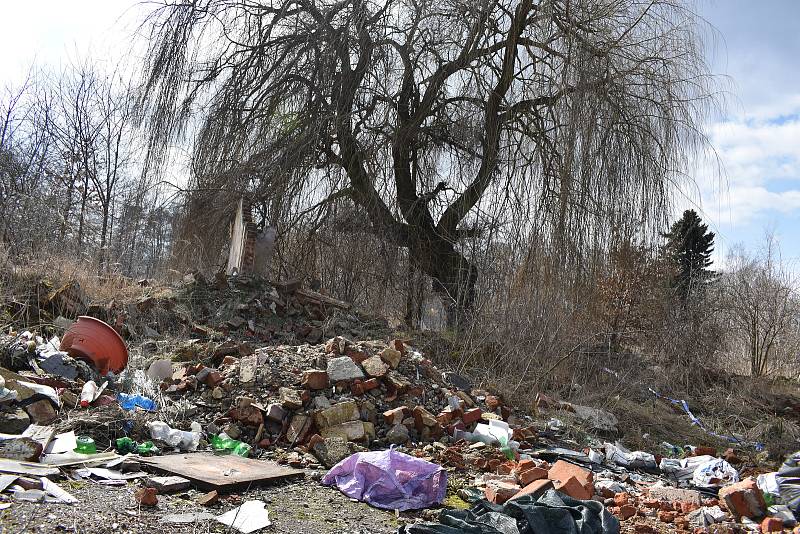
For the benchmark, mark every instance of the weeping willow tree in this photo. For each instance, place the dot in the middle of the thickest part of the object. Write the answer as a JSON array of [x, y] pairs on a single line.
[[436, 120]]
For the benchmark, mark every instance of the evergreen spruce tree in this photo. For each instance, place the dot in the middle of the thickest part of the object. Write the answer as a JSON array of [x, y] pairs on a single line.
[[689, 246]]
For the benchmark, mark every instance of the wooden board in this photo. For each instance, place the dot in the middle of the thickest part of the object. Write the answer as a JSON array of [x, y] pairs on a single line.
[[222, 473]]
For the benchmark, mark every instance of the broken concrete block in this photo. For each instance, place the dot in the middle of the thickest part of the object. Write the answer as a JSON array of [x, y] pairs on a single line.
[[391, 356], [343, 369], [423, 418], [350, 431], [397, 381], [14, 422], [337, 414], [22, 449], [331, 451], [744, 499], [298, 428], [275, 412], [291, 399], [375, 367], [398, 435], [665, 493], [168, 484]]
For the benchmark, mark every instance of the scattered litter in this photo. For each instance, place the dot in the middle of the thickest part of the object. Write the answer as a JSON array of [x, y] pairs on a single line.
[[183, 519], [249, 517], [621, 456]]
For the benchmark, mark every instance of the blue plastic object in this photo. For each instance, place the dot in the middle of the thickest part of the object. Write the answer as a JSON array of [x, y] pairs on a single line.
[[130, 402]]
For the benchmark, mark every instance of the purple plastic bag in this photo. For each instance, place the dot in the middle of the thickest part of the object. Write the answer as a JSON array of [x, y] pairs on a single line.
[[389, 479]]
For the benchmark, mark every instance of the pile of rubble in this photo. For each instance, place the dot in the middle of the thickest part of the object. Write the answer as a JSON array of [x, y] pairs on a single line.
[[311, 405]]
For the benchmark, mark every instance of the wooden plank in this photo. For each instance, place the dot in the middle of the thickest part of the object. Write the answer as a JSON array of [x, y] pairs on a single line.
[[222, 473]]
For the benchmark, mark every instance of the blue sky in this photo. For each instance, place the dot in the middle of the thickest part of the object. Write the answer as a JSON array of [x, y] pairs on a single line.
[[757, 140], [756, 46]]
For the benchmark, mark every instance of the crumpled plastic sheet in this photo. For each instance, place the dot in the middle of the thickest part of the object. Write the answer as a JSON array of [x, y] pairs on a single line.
[[389, 479], [702, 471], [621, 456], [788, 479], [551, 513]]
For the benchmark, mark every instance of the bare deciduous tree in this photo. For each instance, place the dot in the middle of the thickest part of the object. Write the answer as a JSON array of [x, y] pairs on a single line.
[[763, 305], [438, 120]]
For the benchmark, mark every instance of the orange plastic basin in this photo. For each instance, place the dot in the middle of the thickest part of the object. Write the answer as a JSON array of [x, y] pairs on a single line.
[[92, 339]]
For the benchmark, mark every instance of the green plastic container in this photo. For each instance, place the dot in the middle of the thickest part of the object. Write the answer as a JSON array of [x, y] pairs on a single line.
[[229, 446], [85, 445], [147, 448], [125, 445]]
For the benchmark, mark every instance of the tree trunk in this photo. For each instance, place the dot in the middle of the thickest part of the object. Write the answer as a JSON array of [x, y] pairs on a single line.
[[454, 276]]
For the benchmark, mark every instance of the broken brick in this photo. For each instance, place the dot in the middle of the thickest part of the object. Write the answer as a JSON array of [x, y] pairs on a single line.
[[744, 499], [529, 475], [498, 491], [315, 379], [771, 524], [572, 486], [146, 496], [535, 488]]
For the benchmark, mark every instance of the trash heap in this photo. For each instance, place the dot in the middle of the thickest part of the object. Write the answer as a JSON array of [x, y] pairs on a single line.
[[370, 408]]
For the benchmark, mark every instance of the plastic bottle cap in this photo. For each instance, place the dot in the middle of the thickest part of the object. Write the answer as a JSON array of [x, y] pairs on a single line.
[[84, 404]]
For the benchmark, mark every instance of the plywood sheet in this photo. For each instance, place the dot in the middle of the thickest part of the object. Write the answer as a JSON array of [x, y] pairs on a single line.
[[223, 473]]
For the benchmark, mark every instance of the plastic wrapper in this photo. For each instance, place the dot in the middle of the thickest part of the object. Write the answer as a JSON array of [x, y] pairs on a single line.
[[390, 480]]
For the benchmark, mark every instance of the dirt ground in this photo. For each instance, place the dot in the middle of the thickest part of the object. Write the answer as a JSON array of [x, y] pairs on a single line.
[[303, 507]]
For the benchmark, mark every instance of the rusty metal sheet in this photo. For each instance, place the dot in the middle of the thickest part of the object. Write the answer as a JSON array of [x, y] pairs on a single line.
[[223, 473]]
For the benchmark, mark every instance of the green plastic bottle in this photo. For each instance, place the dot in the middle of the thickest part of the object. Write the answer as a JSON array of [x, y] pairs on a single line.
[[125, 445], [147, 448], [85, 445]]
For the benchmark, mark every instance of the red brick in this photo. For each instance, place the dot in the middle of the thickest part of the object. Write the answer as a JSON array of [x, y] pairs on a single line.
[[771, 524], [573, 487], [704, 451], [687, 507], [498, 492], [471, 416], [395, 415], [626, 511], [444, 417], [535, 488], [315, 379], [667, 517], [370, 384], [643, 528], [529, 475], [146, 496], [506, 468], [562, 470], [743, 499], [621, 499]]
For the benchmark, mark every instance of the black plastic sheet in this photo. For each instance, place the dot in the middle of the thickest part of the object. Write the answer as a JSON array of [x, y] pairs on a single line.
[[551, 513]]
